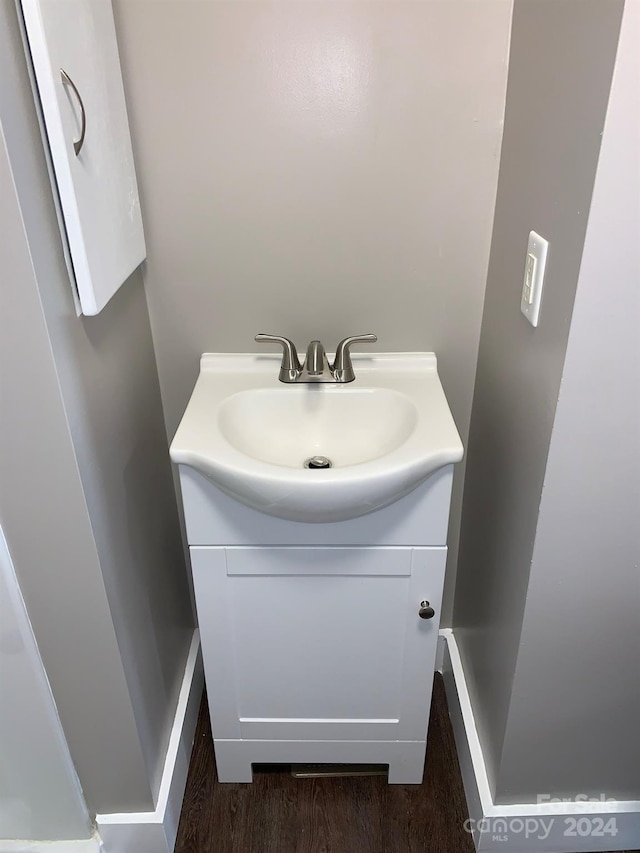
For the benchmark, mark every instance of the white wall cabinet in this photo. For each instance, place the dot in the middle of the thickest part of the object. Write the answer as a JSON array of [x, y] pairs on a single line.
[[76, 64], [315, 651]]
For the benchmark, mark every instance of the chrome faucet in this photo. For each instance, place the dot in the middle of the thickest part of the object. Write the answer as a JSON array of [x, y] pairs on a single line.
[[316, 367]]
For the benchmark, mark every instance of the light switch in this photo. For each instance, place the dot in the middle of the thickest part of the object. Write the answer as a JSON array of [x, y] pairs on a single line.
[[534, 269], [529, 278]]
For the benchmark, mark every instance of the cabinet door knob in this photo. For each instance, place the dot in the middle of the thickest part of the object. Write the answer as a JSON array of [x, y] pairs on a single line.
[[426, 610]]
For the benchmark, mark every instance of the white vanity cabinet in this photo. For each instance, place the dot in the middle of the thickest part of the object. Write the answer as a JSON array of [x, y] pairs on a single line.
[[315, 651], [319, 624]]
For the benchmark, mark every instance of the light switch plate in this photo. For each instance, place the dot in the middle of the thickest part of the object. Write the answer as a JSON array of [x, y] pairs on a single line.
[[534, 269]]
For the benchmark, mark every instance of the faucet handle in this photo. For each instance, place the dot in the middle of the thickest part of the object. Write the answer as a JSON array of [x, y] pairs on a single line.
[[290, 367], [342, 367]]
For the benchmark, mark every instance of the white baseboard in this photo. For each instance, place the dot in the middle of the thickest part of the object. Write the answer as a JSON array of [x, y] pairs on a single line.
[[526, 827], [155, 832], [85, 845]]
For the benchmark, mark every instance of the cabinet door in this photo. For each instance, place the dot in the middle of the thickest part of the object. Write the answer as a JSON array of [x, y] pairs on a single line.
[[97, 185], [318, 643]]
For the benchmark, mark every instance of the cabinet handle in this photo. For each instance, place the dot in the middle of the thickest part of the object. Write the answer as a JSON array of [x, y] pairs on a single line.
[[426, 610], [78, 143]]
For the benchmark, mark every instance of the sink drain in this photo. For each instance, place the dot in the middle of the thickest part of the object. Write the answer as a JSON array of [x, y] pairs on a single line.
[[317, 462]]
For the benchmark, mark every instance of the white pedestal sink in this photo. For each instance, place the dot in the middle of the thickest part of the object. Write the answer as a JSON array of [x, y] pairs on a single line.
[[384, 434]]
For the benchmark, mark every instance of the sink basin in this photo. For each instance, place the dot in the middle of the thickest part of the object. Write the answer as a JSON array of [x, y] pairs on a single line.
[[348, 425], [382, 434]]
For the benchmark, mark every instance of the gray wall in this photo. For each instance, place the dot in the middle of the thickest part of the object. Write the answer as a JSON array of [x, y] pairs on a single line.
[[316, 169], [577, 681], [554, 117], [106, 377], [40, 796], [44, 515]]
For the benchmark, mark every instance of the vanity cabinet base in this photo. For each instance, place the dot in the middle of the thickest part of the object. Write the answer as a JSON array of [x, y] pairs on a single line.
[[234, 758], [319, 655]]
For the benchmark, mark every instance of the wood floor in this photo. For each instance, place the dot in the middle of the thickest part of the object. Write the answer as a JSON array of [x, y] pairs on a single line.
[[280, 814]]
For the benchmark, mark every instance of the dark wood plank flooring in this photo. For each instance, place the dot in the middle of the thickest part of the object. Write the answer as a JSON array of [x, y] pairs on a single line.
[[280, 814]]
